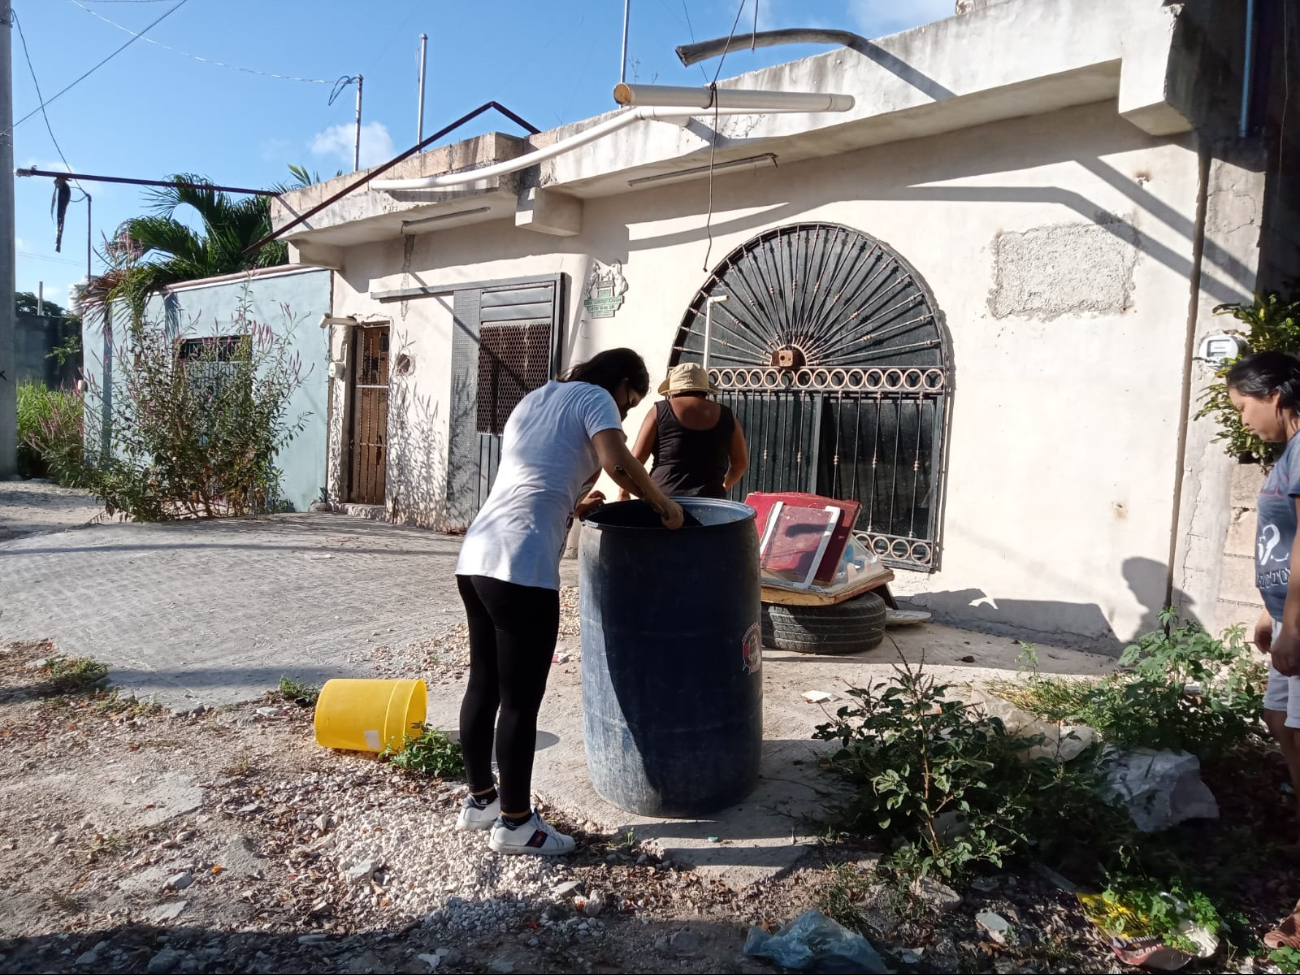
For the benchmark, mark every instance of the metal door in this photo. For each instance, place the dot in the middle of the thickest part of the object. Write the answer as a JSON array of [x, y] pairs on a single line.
[[369, 399], [829, 348], [506, 344]]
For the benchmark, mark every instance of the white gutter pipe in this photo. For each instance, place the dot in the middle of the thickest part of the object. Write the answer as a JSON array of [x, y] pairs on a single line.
[[674, 113], [710, 98]]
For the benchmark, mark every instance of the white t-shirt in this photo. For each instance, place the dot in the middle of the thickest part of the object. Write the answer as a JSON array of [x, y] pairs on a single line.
[[546, 460]]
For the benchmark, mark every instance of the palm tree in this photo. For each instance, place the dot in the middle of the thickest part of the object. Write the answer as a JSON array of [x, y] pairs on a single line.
[[303, 178], [159, 250]]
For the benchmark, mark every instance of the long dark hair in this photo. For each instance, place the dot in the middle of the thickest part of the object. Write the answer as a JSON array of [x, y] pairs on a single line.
[[609, 368], [1265, 373]]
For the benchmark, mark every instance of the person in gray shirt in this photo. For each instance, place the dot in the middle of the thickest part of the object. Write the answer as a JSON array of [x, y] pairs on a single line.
[[1265, 389]]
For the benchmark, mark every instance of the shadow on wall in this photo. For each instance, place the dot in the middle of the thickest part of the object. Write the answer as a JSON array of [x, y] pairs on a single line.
[[929, 179], [1082, 626], [462, 456], [417, 451]]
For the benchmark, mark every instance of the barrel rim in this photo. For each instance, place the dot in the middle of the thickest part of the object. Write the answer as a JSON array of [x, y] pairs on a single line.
[[749, 514]]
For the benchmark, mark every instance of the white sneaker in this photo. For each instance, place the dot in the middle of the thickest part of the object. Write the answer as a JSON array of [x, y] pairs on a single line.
[[534, 838], [475, 815]]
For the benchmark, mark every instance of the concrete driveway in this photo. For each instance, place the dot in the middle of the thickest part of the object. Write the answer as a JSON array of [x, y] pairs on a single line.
[[217, 611]]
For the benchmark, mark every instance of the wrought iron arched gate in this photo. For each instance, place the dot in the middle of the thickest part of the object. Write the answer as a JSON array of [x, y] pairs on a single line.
[[829, 348]]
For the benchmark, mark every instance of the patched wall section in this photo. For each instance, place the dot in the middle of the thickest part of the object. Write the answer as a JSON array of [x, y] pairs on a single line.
[[1064, 269]]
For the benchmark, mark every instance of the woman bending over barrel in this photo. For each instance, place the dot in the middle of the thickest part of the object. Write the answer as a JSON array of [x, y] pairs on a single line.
[[555, 443]]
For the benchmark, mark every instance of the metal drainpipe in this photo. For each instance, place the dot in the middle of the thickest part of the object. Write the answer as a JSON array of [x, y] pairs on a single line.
[[1173, 576], [1248, 69]]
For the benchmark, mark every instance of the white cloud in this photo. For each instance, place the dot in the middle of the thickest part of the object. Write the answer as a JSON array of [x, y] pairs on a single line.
[[277, 151], [337, 140], [778, 14], [877, 18]]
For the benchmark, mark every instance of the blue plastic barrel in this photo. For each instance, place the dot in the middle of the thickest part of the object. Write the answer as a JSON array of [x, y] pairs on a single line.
[[672, 686]]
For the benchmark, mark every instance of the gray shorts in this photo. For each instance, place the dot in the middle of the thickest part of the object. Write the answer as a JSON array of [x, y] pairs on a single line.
[[1283, 693]]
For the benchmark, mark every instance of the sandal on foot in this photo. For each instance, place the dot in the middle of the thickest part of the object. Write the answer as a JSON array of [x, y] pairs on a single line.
[[1286, 934]]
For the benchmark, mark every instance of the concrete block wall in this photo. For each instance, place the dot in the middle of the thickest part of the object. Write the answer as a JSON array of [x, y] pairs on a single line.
[[1238, 598], [35, 337]]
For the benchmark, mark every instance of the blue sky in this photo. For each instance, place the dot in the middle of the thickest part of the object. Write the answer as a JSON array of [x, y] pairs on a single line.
[[153, 111]]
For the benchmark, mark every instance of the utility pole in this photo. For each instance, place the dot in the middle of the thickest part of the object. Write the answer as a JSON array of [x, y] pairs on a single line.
[[424, 60], [8, 372], [356, 148], [622, 67], [89, 232]]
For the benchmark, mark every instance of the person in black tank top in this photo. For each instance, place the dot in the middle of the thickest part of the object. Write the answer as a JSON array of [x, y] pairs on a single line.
[[698, 445]]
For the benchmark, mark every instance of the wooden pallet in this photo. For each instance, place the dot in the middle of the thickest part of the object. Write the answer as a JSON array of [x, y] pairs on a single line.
[[776, 596]]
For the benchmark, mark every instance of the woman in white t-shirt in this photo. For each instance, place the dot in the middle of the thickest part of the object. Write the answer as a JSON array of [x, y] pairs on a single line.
[[556, 442]]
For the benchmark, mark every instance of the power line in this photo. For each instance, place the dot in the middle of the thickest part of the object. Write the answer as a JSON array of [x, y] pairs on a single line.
[[53, 260], [713, 143], [36, 83], [734, 24], [199, 57], [87, 74], [690, 28]]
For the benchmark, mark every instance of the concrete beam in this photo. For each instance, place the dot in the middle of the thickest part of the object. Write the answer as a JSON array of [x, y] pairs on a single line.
[[549, 212], [316, 255], [1144, 95], [387, 210]]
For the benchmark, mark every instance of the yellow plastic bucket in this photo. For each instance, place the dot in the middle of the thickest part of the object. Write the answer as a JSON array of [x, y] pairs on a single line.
[[367, 715]]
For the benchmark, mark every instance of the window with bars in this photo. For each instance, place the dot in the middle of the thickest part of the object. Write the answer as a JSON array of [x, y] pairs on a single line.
[[210, 359], [221, 348], [513, 360]]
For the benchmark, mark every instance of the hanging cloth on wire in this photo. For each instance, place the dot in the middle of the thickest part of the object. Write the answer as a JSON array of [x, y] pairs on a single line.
[[59, 208]]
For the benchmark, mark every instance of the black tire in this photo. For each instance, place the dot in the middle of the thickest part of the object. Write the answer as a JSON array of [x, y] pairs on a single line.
[[854, 626]]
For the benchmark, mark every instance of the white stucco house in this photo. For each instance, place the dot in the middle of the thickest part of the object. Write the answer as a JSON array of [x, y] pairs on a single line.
[[969, 294]]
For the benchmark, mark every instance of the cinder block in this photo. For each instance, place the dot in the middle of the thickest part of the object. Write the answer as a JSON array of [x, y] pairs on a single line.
[[1247, 482], [1228, 614], [1238, 582], [1240, 540]]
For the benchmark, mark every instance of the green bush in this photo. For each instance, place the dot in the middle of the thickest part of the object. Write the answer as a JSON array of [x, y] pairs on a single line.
[[1287, 960], [195, 424], [298, 692], [1271, 324], [74, 675], [49, 429], [1132, 908], [433, 753], [1185, 690], [951, 787]]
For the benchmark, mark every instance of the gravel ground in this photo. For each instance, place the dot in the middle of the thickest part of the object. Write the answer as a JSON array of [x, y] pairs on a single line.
[[135, 838], [444, 660]]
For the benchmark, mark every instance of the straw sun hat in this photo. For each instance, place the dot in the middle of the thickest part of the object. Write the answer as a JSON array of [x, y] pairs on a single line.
[[687, 377]]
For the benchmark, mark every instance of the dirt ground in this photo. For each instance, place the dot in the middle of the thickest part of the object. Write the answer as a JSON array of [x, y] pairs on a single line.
[[140, 839], [200, 838], [135, 838]]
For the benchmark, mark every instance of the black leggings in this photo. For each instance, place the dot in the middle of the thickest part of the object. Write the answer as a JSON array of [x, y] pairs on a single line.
[[512, 633]]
